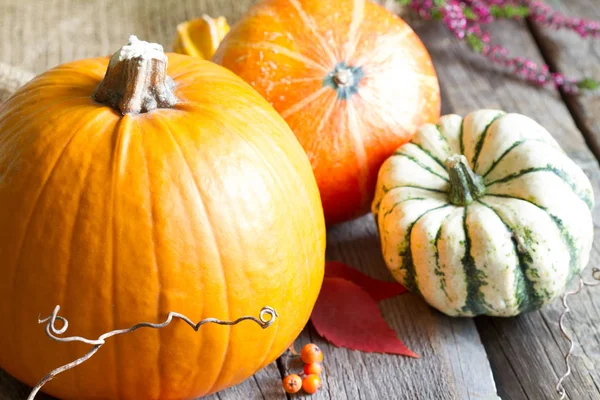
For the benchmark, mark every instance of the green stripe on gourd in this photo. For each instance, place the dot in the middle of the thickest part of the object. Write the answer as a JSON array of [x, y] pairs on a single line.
[[387, 189], [568, 239], [391, 210], [507, 152], [475, 303], [438, 271], [465, 188], [525, 293], [481, 141], [410, 279], [444, 138], [585, 197], [434, 158], [420, 164]]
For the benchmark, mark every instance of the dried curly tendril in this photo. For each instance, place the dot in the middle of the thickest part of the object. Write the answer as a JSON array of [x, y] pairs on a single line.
[[266, 318]]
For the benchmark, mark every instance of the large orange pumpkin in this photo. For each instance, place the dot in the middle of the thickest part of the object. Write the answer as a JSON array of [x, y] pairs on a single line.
[[351, 79], [206, 206]]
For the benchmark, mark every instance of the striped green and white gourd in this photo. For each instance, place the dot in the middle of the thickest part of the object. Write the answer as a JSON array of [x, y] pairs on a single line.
[[484, 215]]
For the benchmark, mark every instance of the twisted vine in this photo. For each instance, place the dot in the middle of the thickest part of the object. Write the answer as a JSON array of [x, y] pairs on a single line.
[[560, 389], [266, 318]]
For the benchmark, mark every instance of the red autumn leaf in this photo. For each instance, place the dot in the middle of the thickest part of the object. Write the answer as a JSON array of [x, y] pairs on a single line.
[[347, 316], [379, 290]]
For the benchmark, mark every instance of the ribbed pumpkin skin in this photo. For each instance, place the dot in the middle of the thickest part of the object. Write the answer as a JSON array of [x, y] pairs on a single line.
[[288, 51], [512, 250], [209, 209]]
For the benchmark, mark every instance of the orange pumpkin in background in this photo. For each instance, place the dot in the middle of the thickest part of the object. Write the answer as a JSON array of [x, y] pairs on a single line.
[[126, 198], [351, 79]]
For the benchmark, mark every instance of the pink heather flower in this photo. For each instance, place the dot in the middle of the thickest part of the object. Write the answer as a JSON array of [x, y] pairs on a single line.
[[464, 19]]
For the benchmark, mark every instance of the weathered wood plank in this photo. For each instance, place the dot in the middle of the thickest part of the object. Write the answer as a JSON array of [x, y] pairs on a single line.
[[36, 37], [526, 352], [567, 52], [11, 389], [453, 364], [266, 384], [11, 79]]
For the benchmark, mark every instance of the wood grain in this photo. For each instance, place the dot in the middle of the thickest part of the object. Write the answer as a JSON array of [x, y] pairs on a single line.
[[567, 52], [40, 35], [263, 385], [526, 353], [11, 389], [11, 78], [453, 363]]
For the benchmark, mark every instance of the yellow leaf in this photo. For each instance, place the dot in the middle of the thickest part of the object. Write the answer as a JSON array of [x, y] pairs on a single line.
[[200, 37]]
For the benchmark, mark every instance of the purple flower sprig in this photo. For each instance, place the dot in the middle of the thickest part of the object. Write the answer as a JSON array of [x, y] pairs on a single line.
[[464, 18], [543, 14]]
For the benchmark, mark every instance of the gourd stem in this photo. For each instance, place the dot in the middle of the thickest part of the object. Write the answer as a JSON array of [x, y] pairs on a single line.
[[465, 185], [136, 80]]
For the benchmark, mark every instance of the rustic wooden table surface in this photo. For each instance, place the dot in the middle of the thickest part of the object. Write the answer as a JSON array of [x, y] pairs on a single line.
[[481, 358]]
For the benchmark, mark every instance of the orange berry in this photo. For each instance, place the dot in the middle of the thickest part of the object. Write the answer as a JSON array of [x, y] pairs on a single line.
[[292, 383], [311, 384], [311, 353], [313, 369]]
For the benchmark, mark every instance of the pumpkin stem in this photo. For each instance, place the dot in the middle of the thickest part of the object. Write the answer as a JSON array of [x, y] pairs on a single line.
[[136, 80], [343, 77], [465, 185]]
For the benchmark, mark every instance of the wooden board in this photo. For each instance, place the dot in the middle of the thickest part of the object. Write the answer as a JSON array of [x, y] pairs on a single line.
[[11, 78], [525, 352], [567, 52]]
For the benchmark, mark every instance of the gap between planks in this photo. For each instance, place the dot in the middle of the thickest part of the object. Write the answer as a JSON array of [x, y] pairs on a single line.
[[566, 52], [570, 100]]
